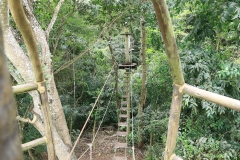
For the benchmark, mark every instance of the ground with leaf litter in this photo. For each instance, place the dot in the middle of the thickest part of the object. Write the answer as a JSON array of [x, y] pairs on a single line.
[[104, 144]]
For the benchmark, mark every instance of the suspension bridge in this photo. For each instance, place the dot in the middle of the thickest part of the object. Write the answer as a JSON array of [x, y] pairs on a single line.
[[10, 144]]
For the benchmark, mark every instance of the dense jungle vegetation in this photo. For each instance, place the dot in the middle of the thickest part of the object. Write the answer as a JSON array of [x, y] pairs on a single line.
[[207, 33]]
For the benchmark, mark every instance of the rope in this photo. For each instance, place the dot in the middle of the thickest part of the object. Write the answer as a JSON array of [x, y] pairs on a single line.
[[98, 126], [90, 114]]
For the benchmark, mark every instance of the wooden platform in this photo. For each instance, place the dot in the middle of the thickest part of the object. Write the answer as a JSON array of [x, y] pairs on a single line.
[[127, 66]]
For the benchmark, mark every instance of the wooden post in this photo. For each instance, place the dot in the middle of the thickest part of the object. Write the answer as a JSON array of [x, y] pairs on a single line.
[[165, 25], [32, 48], [47, 119], [128, 104], [10, 145], [127, 49], [173, 122]]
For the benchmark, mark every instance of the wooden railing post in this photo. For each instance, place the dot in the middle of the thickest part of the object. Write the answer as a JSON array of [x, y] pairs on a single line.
[[173, 122]]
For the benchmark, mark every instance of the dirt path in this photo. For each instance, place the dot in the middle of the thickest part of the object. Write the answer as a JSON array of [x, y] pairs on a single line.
[[104, 144]]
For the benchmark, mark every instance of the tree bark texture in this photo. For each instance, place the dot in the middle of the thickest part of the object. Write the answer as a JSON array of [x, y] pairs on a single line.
[[165, 25], [173, 123], [10, 145], [144, 89]]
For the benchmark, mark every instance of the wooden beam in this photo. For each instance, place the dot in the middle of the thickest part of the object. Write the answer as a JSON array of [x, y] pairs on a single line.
[[174, 157], [173, 122], [165, 25], [127, 41], [24, 88], [34, 143], [47, 118], [211, 97]]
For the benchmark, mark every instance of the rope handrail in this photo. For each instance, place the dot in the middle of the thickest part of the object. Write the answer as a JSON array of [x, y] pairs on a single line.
[[90, 114], [98, 126]]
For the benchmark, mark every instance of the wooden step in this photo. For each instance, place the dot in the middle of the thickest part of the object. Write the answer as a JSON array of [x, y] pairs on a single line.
[[120, 145], [127, 72], [121, 133], [123, 108], [119, 158], [123, 124], [123, 102], [125, 96], [125, 90], [122, 115], [126, 77]]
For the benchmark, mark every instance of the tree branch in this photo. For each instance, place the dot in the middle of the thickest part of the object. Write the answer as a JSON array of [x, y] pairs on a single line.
[[55, 14]]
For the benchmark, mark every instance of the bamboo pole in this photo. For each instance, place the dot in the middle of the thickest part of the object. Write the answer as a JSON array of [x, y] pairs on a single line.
[[165, 24], [24, 88], [173, 122], [10, 148], [31, 44], [211, 97], [34, 143]]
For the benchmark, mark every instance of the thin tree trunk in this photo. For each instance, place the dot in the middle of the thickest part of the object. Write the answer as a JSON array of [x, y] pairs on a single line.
[[10, 148], [144, 89], [118, 103]]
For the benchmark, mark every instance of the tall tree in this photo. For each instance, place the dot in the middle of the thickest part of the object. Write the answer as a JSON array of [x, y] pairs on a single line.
[[144, 89], [21, 62]]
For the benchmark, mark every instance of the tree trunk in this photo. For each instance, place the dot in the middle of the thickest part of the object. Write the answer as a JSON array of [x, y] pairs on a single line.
[[22, 63], [144, 89], [116, 75], [10, 148]]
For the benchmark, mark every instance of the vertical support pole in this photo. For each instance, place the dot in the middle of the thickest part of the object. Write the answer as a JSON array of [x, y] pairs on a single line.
[[47, 119], [173, 122], [10, 145], [128, 103], [127, 41]]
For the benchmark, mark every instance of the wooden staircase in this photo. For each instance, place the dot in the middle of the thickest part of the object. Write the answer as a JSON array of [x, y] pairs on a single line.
[[123, 119]]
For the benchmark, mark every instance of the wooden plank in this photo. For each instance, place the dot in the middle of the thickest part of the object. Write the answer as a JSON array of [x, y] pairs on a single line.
[[174, 157], [123, 102], [119, 158], [173, 122], [211, 97], [34, 143], [125, 96], [120, 145], [121, 134], [24, 88], [124, 108], [123, 124], [123, 116]]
